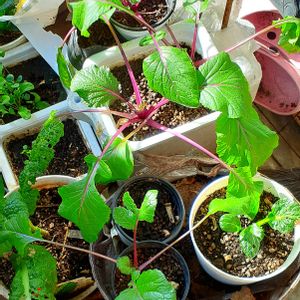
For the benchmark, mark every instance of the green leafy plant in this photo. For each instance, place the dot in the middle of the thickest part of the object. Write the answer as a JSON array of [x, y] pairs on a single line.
[[7, 7], [17, 97]]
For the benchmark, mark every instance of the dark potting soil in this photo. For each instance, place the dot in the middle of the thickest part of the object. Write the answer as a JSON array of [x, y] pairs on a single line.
[[152, 12], [162, 227], [69, 152], [46, 81], [7, 272], [223, 249], [171, 114], [9, 36], [70, 264], [166, 263]]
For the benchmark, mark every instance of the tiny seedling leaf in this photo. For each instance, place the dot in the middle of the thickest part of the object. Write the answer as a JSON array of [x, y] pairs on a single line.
[[250, 239], [148, 207], [97, 86], [177, 82], [230, 223], [124, 265], [284, 214], [129, 203], [125, 218]]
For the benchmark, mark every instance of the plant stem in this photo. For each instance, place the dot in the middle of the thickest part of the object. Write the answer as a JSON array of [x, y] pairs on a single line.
[[135, 254], [193, 51], [149, 261], [264, 221], [127, 64], [68, 35], [172, 35], [36, 228]]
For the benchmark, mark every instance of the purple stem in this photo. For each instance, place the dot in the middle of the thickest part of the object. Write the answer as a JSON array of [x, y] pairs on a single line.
[[172, 35], [195, 35]]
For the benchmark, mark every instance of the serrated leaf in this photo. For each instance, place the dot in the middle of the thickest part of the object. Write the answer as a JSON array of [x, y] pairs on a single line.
[[65, 69], [284, 214], [230, 223], [177, 82], [125, 218], [245, 141], [148, 207], [250, 239], [124, 265], [225, 87], [35, 275], [97, 86], [148, 40], [290, 34], [151, 283], [83, 205]]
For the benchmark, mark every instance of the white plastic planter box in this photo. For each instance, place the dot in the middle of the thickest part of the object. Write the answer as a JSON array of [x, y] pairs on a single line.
[[19, 127], [269, 186], [201, 130], [13, 44]]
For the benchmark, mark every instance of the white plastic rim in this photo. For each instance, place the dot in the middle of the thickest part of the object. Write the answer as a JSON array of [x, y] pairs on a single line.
[[270, 186], [13, 44]]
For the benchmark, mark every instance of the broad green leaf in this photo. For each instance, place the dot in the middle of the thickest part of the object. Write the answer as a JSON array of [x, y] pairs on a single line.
[[225, 87], [97, 86], [104, 173], [125, 218], [124, 265], [83, 205], [24, 112], [284, 214], [148, 40], [151, 284], [65, 69], [129, 203], [290, 34], [148, 207], [178, 81], [35, 275], [230, 223], [245, 141], [250, 239], [189, 5]]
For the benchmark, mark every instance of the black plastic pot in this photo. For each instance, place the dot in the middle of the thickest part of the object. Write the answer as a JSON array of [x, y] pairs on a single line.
[[156, 183], [173, 252], [288, 7]]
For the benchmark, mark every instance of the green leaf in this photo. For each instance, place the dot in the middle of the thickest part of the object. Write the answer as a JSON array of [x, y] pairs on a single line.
[[25, 87], [178, 81], [35, 275], [148, 207], [124, 265], [85, 13], [104, 173], [2, 189], [41, 154], [250, 239], [129, 203], [125, 218], [230, 223], [284, 214], [148, 40], [225, 87], [189, 5], [151, 284], [24, 112], [97, 86], [245, 141], [65, 69], [290, 34], [83, 205]]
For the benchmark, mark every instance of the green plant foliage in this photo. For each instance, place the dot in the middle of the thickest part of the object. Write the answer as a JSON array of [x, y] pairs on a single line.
[[178, 81], [225, 87], [65, 69], [97, 86], [35, 275], [290, 34], [124, 265], [250, 239], [17, 97], [230, 223], [283, 215], [148, 40], [8, 8], [149, 284], [40, 156], [127, 216], [190, 6], [245, 141]]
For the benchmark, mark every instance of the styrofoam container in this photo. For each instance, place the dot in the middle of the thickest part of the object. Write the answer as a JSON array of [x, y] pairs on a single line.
[[270, 186], [202, 130], [21, 126]]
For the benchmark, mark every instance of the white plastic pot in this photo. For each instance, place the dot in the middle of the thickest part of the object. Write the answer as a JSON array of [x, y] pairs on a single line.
[[22, 126], [201, 130], [13, 44], [269, 186], [130, 33]]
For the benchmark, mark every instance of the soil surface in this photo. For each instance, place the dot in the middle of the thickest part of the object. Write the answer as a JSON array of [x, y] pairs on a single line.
[[166, 263], [171, 114], [69, 152], [223, 249], [46, 81], [152, 12], [162, 226], [7, 272], [9, 36]]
